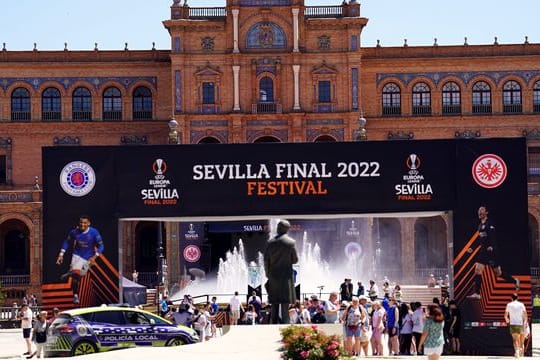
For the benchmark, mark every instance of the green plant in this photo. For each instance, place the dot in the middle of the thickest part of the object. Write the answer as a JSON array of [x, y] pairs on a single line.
[[309, 343]]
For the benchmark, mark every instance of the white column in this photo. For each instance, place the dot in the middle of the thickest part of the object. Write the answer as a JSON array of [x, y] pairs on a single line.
[[235, 13], [295, 29], [236, 72], [296, 71]]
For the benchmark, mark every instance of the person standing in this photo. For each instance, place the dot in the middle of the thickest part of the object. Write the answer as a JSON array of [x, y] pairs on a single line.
[[455, 326], [25, 315], [87, 246], [432, 340], [236, 308], [331, 307], [418, 325], [256, 301], [392, 321], [488, 255], [515, 316], [164, 306], [361, 289], [279, 257], [352, 318], [39, 334], [373, 291], [135, 276]]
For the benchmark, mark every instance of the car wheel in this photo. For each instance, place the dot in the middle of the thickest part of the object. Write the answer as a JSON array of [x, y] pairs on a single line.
[[82, 348], [175, 342]]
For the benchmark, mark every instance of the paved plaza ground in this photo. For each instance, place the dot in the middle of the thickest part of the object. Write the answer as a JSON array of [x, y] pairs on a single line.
[[260, 342]]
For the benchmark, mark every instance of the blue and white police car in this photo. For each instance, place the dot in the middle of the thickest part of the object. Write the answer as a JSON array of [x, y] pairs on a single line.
[[94, 329]]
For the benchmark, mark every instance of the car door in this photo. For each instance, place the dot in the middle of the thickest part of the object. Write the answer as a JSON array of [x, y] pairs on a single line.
[[111, 329]]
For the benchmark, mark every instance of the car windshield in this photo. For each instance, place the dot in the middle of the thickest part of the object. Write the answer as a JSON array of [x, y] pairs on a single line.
[[61, 319]]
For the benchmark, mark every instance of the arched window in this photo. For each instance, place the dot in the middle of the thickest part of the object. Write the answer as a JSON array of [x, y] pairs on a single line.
[[421, 99], [112, 104], [81, 104], [451, 98], [20, 105], [536, 97], [142, 103], [266, 96], [266, 90], [51, 105], [511, 97], [391, 99], [481, 98]]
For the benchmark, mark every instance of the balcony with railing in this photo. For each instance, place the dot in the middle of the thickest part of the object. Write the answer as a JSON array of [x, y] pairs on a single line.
[[324, 11], [209, 109], [391, 110], [512, 108], [20, 116], [266, 108], [142, 115], [421, 110], [14, 280], [112, 115], [481, 108], [82, 115], [51, 116], [324, 107], [310, 12], [451, 109]]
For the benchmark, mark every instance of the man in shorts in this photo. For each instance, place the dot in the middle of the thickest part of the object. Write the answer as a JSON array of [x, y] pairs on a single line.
[[25, 315], [516, 316], [87, 246]]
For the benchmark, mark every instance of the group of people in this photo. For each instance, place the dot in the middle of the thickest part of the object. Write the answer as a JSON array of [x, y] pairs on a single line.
[[35, 329], [407, 328]]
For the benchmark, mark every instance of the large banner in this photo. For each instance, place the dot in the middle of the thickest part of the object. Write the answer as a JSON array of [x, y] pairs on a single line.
[[210, 182]]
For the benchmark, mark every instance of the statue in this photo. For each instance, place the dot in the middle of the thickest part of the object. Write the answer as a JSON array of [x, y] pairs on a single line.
[[279, 257]]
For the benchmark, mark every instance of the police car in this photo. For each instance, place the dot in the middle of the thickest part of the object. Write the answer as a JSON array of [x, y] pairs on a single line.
[[89, 330]]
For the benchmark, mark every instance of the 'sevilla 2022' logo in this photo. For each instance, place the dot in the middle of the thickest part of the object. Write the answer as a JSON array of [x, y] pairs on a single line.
[[77, 178], [489, 171], [413, 187], [159, 191]]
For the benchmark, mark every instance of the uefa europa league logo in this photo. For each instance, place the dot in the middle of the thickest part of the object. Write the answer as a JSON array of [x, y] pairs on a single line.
[[413, 162], [159, 166]]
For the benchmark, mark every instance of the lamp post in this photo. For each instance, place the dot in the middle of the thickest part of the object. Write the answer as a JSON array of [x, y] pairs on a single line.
[[174, 138], [362, 128]]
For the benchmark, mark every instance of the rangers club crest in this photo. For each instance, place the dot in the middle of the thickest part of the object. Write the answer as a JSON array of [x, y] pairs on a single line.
[[77, 178], [489, 171], [192, 253]]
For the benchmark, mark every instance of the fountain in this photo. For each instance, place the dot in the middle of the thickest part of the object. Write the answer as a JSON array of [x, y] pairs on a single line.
[[314, 273]]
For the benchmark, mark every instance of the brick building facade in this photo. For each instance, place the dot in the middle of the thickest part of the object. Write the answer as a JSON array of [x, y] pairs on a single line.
[[252, 71]]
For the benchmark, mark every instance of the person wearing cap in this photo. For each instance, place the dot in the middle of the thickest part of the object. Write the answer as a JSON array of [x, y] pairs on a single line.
[[279, 257]]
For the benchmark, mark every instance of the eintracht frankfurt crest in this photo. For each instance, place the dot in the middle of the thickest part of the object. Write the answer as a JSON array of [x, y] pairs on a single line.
[[489, 171]]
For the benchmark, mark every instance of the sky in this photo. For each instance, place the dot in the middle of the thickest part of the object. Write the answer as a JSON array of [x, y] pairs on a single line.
[[112, 23]]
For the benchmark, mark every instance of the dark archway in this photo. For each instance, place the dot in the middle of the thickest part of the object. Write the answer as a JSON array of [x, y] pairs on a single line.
[[209, 140], [325, 138], [430, 247], [267, 139], [15, 248], [146, 239], [387, 245]]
